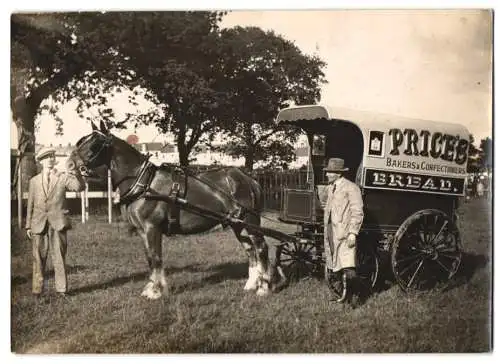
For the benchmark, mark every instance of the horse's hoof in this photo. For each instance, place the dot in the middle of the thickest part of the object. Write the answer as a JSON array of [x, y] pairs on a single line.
[[152, 294], [156, 294], [250, 286], [263, 292], [151, 291]]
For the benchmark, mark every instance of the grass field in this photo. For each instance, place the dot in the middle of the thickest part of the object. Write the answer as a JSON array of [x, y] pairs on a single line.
[[208, 311]]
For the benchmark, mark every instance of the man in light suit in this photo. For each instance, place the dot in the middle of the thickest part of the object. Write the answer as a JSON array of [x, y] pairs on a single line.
[[47, 221], [343, 216]]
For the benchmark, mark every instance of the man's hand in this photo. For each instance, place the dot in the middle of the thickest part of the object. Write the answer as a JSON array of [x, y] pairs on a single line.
[[351, 240], [28, 232]]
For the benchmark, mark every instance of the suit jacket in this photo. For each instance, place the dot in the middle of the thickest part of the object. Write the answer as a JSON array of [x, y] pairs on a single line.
[[345, 208], [48, 203]]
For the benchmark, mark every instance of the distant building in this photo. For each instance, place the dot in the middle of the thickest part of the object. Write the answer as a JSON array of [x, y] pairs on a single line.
[[162, 152]]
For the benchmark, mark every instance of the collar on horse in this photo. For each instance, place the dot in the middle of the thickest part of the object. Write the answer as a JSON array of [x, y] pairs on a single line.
[[145, 176], [141, 183]]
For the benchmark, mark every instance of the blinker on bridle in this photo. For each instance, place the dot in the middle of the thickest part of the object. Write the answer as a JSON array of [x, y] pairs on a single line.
[[104, 146]]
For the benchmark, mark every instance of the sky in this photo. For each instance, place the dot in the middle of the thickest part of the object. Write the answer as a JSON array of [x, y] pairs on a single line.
[[428, 64]]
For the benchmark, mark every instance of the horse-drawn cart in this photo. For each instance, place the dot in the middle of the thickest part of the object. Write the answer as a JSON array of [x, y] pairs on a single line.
[[411, 174]]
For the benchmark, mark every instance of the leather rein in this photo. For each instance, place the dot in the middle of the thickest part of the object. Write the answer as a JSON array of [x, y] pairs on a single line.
[[146, 174]]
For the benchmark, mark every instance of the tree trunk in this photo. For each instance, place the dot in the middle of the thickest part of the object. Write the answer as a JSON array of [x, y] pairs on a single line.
[[183, 156], [249, 157], [249, 154], [182, 150], [24, 117]]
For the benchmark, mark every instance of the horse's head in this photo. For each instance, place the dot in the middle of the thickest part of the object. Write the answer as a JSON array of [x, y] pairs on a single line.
[[93, 152]]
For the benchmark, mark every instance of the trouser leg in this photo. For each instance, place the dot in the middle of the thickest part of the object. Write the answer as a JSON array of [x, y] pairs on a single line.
[[59, 246], [40, 249], [354, 287], [329, 246]]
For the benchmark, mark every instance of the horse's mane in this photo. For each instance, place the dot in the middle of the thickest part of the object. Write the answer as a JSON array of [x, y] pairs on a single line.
[[123, 143]]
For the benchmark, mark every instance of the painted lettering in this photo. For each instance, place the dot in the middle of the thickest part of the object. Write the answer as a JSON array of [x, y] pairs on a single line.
[[445, 185], [429, 184], [395, 180], [413, 181], [379, 179], [436, 145], [425, 143], [396, 140], [411, 142], [461, 151], [449, 142]]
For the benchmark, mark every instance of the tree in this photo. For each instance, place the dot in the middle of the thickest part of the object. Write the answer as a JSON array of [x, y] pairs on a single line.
[[89, 55], [263, 73], [486, 154], [172, 56], [473, 161], [48, 52]]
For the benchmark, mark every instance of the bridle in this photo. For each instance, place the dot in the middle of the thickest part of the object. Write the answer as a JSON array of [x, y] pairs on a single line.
[[141, 180], [103, 148]]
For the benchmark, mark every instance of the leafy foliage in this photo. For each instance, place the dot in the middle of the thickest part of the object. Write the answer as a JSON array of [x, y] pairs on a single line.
[[263, 73], [480, 159], [486, 153], [201, 79]]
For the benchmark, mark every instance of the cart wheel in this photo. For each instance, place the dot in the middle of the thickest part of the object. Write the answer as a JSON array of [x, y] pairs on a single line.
[[298, 260], [426, 250], [367, 266]]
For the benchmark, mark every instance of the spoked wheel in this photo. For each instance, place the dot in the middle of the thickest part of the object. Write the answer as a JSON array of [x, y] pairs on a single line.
[[426, 251], [298, 260], [367, 266]]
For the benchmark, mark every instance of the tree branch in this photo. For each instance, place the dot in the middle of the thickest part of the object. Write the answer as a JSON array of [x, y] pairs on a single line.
[[265, 136]]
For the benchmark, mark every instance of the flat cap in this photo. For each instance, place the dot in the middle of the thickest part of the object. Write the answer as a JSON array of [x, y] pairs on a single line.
[[44, 153]]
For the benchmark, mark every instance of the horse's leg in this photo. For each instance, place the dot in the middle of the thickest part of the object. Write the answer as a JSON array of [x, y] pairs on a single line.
[[152, 236], [247, 243], [263, 267], [270, 276]]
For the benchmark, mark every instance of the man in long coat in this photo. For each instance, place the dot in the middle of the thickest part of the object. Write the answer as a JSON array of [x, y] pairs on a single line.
[[343, 216], [47, 218]]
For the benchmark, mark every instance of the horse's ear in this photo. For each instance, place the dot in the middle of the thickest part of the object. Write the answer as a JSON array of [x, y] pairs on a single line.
[[104, 130], [94, 127]]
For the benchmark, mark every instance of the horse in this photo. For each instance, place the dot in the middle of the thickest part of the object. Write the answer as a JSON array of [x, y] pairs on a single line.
[[227, 190]]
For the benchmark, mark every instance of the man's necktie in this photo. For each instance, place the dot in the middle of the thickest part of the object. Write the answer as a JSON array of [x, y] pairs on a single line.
[[48, 181]]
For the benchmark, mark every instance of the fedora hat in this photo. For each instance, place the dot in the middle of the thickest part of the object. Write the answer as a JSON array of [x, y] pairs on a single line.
[[335, 165], [44, 153]]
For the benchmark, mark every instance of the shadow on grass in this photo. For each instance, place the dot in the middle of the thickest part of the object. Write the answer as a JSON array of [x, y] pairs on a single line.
[[227, 271], [117, 281], [138, 276], [221, 272], [470, 264], [17, 280]]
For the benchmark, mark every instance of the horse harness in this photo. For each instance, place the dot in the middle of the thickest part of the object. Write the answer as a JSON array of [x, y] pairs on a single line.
[[142, 185], [147, 172]]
